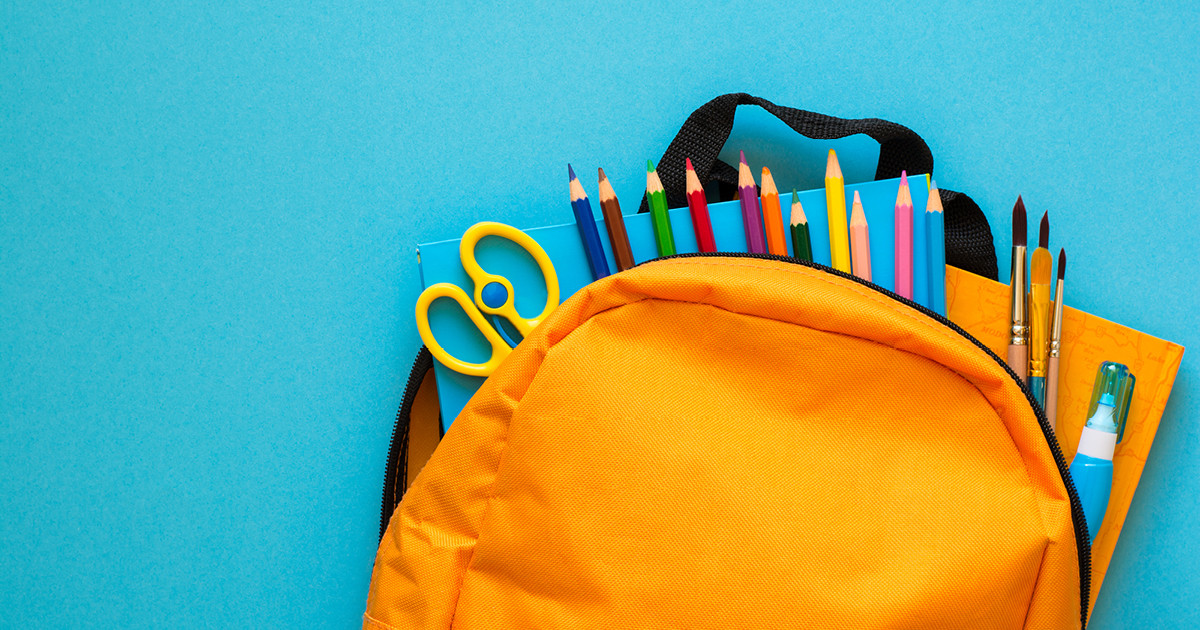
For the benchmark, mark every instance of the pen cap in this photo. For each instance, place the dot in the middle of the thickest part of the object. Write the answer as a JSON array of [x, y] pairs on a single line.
[[1114, 386]]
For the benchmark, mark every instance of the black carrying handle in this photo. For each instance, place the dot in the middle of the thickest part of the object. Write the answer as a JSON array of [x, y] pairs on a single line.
[[968, 236]]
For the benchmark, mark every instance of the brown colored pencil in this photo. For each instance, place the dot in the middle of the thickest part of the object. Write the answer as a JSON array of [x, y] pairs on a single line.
[[614, 223]]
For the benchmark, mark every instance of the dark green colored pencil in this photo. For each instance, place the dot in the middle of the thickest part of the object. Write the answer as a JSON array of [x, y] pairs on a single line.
[[801, 244]]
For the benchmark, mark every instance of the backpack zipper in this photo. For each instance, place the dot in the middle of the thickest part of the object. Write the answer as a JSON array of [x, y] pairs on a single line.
[[1082, 541], [398, 447]]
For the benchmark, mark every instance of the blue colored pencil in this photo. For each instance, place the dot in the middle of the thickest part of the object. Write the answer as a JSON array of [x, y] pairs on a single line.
[[936, 241], [587, 228]]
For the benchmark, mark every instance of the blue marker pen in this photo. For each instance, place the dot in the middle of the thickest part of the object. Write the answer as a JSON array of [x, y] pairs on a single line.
[[1092, 467]]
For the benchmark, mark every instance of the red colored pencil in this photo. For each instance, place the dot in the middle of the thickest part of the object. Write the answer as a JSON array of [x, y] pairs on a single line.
[[698, 205]]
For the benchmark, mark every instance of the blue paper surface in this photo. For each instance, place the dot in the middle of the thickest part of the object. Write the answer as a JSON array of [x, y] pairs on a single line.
[[439, 262]]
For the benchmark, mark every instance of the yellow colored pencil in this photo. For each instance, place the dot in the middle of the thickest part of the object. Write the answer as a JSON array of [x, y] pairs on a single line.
[[835, 205]]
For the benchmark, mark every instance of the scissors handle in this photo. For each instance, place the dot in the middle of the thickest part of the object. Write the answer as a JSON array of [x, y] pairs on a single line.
[[483, 280], [500, 349]]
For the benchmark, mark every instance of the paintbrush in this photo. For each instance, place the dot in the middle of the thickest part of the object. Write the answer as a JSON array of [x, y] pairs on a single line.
[[1018, 349]]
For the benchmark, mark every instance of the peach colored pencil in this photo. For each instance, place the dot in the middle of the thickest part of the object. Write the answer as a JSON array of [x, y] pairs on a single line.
[[860, 240]]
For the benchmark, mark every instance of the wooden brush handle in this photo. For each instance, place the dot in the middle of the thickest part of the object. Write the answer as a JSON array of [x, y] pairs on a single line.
[[1018, 360], [1052, 393]]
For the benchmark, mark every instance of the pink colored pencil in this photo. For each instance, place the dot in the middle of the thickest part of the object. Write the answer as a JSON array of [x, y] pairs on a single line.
[[904, 239]]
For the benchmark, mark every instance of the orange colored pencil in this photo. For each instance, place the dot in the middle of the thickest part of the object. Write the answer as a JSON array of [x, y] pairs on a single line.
[[860, 240], [772, 215]]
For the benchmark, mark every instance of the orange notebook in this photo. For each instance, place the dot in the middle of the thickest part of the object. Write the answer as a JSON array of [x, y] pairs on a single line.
[[981, 306]]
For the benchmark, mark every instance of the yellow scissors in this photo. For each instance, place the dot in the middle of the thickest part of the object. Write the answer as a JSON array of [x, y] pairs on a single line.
[[493, 296]]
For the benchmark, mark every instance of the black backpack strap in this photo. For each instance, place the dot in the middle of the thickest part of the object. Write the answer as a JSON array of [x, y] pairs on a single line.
[[968, 237]]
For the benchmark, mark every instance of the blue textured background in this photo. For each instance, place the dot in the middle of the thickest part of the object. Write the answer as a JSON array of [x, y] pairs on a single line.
[[208, 215]]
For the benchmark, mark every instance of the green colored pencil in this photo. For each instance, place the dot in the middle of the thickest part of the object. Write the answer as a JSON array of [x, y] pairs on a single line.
[[656, 198], [801, 244]]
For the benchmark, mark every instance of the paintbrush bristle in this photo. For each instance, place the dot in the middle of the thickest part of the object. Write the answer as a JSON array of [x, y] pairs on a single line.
[[1062, 264], [1018, 223], [1044, 231]]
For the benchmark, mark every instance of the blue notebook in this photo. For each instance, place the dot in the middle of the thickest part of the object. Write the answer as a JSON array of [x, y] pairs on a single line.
[[439, 262]]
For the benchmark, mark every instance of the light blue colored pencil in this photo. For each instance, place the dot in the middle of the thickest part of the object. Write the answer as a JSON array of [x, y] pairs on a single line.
[[936, 242]]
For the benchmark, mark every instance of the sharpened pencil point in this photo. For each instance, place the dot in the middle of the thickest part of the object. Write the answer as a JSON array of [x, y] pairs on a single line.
[[570, 171], [742, 155], [1062, 264], [904, 178], [603, 177], [649, 166], [689, 164], [833, 170], [1018, 223], [1044, 231]]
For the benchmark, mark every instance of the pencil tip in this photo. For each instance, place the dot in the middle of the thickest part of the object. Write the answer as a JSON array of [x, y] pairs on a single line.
[[933, 184], [1062, 264], [766, 172], [904, 178], [570, 171], [649, 166], [793, 195], [856, 199], [689, 164], [742, 155], [832, 168], [603, 177], [1044, 231]]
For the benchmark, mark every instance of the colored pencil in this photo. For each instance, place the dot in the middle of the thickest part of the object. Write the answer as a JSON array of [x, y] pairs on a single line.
[[587, 228], [751, 216], [1018, 343], [660, 219], [1039, 311], [835, 206], [1055, 343], [935, 227], [860, 240], [904, 238], [698, 206], [772, 215], [801, 243], [614, 222]]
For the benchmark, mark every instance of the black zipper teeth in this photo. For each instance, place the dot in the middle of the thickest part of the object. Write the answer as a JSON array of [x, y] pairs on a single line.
[[398, 445], [1083, 543], [424, 362]]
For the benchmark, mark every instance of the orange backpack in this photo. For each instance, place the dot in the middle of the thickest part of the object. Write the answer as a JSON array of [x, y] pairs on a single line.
[[737, 441]]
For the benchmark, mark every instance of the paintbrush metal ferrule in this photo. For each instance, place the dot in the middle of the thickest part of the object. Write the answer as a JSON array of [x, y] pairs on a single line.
[[1019, 331]]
